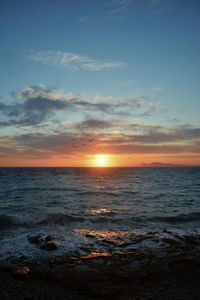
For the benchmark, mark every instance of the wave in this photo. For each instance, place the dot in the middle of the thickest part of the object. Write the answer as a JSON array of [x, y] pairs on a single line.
[[98, 193], [13, 221], [38, 189], [182, 218], [5, 222], [9, 222], [59, 218], [130, 192], [104, 220]]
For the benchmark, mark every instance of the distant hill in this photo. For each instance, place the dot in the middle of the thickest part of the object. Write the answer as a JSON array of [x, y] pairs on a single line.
[[159, 164]]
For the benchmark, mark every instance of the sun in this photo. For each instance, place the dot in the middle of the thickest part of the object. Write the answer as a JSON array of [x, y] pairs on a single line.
[[100, 160]]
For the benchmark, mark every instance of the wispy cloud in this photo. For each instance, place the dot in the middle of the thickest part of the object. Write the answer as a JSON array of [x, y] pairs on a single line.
[[120, 5], [72, 61]]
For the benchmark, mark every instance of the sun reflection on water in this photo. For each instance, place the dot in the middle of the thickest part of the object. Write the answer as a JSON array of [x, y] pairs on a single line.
[[98, 211]]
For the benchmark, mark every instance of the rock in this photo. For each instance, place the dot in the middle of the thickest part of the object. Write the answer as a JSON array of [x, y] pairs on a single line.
[[100, 290], [49, 238], [58, 260], [184, 263], [48, 246], [166, 231], [130, 271], [51, 246], [6, 267], [97, 261], [89, 275], [64, 275], [90, 235], [22, 271], [44, 243], [40, 271], [36, 239]]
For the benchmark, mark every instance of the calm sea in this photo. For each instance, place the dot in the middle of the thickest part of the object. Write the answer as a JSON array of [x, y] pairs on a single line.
[[97, 209]]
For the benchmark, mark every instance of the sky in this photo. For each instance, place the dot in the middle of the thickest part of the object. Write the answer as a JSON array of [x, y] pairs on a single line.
[[116, 78]]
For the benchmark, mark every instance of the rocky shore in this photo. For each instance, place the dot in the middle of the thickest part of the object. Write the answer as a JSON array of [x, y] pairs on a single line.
[[171, 271]]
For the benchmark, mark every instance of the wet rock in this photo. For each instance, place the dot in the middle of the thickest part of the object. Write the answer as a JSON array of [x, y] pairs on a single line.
[[48, 246], [170, 241], [64, 275], [132, 268], [36, 239], [90, 275], [112, 270], [43, 243], [80, 268], [58, 260], [85, 249], [125, 244], [166, 231], [157, 240], [191, 240], [49, 238], [40, 271], [109, 242], [6, 267], [129, 271], [184, 263], [62, 272], [158, 253], [97, 261], [100, 290], [22, 271], [178, 253], [90, 235]]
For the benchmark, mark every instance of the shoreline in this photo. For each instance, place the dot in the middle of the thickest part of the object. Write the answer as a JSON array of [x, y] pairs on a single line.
[[170, 272]]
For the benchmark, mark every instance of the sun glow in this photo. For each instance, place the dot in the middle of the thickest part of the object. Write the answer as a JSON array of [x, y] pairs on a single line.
[[101, 160]]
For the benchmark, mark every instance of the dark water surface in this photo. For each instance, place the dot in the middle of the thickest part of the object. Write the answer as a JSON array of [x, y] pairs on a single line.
[[101, 209]]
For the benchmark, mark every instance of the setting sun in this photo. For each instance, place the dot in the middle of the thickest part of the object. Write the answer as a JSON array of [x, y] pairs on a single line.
[[101, 161]]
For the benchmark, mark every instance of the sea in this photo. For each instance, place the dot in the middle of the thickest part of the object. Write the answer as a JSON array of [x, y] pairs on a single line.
[[102, 210]]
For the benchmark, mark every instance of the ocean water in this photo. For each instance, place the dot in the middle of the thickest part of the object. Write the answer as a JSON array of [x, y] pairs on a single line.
[[96, 209]]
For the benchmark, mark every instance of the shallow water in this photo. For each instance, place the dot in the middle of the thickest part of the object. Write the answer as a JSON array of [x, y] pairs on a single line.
[[102, 209]]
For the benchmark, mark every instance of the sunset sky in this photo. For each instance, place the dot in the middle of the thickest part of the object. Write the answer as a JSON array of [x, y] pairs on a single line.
[[84, 78]]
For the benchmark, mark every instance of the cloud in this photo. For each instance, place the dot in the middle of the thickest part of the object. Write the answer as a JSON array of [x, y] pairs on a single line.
[[92, 124], [35, 106], [46, 146], [150, 110], [120, 5], [179, 139], [112, 104], [157, 89], [72, 61], [32, 92]]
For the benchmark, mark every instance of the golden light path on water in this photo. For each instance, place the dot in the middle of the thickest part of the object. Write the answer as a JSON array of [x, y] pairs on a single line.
[[98, 211]]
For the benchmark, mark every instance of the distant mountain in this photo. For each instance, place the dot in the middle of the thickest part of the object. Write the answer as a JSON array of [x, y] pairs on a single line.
[[159, 164]]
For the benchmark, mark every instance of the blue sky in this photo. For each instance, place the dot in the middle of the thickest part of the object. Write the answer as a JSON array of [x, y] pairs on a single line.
[[133, 61]]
